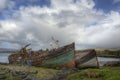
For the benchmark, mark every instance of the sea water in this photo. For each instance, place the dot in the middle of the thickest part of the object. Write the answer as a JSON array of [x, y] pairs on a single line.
[[4, 57]]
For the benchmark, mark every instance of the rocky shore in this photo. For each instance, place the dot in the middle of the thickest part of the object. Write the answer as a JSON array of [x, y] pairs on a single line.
[[10, 72], [112, 64], [13, 72]]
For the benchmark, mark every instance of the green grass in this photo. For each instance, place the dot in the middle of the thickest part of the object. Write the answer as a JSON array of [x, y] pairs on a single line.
[[42, 72], [108, 73], [112, 73]]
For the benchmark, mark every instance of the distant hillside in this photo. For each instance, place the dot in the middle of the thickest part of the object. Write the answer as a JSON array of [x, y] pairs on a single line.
[[110, 49], [104, 52], [109, 53], [5, 50], [84, 50]]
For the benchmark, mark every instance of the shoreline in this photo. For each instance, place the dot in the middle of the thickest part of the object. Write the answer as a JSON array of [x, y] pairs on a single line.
[[40, 73], [109, 56], [2, 63]]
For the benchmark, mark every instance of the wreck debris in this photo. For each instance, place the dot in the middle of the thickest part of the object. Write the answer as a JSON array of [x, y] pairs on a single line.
[[62, 57]]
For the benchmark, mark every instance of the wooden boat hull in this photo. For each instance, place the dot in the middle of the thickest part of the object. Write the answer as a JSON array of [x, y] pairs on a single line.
[[64, 60], [62, 57], [87, 59]]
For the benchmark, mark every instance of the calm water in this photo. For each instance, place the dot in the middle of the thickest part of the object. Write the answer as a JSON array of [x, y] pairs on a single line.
[[4, 57], [102, 60]]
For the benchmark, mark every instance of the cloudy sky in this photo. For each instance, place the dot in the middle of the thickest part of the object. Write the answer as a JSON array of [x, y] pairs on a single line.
[[88, 23]]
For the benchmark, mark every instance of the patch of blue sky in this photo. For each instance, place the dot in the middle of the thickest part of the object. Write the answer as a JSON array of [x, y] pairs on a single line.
[[1, 16], [41, 3], [74, 1], [107, 5], [7, 13], [91, 24]]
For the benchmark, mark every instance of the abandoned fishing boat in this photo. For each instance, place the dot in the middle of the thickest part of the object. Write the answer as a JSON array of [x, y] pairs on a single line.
[[86, 59], [62, 57]]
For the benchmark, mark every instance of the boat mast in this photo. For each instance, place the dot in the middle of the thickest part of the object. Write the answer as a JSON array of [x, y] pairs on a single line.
[[55, 43]]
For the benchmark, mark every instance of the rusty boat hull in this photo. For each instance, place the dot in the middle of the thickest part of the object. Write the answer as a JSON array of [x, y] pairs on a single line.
[[87, 59], [61, 57]]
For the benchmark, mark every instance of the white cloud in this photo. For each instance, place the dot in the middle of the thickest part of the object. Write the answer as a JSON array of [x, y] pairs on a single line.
[[6, 4], [2, 4], [104, 34], [66, 21], [116, 1]]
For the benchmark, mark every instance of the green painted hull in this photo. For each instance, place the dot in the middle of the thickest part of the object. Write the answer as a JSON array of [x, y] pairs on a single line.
[[62, 59], [64, 56]]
